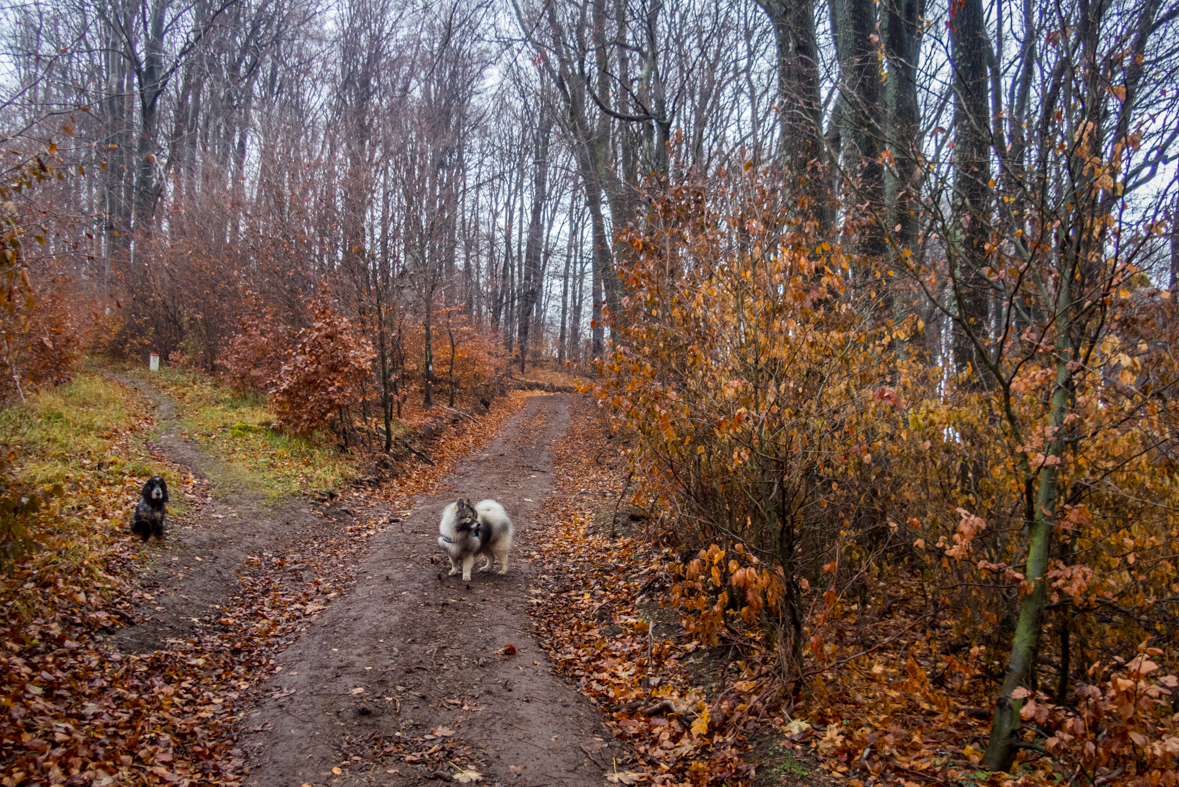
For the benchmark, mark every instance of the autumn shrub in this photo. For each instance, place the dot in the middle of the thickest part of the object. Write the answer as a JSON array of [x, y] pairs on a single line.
[[1122, 727], [469, 358], [472, 371], [41, 341], [1115, 529], [754, 389], [322, 374], [183, 303], [39, 338], [258, 348]]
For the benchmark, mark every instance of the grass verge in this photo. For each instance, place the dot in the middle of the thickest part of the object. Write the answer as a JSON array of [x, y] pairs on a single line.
[[86, 440], [237, 429]]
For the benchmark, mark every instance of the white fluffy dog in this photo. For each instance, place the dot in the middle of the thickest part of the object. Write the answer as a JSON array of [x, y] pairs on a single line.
[[471, 530]]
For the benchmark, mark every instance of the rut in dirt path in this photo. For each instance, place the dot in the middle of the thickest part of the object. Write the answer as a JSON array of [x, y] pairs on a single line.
[[405, 678], [194, 574]]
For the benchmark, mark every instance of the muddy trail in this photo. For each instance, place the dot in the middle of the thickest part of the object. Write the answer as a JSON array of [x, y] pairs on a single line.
[[195, 573], [409, 674]]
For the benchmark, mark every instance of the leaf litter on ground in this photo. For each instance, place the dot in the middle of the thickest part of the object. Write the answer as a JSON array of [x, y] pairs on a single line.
[[79, 711]]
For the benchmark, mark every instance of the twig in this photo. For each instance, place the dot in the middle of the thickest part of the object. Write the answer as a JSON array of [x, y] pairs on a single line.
[[617, 503], [918, 774], [414, 451], [664, 706], [592, 756], [854, 656], [469, 417]]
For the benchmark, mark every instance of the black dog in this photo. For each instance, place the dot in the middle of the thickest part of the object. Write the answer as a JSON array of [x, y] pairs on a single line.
[[148, 519]]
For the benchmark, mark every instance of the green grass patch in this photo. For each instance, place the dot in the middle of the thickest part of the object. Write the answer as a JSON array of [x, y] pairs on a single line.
[[79, 453], [782, 764], [238, 429], [78, 434]]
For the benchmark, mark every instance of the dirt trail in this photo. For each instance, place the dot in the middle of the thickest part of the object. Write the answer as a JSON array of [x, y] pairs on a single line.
[[404, 676], [412, 653], [196, 571]]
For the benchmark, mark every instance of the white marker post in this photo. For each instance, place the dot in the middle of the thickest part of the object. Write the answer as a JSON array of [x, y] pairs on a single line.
[[154, 362]]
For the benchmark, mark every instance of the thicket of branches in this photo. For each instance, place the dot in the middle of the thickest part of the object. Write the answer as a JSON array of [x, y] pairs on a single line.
[[878, 286]]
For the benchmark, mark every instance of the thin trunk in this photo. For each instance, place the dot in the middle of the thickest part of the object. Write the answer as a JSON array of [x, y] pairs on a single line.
[[530, 281], [1040, 520], [803, 150], [971, 187], [1174, 283], [565, 289], [428, 381]]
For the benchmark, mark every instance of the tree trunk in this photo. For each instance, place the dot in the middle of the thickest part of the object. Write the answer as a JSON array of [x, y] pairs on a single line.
[[853, 23], [803, 150], [1040, 520], [972, 168], [1174, 283], [428, 381], [530, 282], [603, 269], [151, 86], [902, 29], [563, 335]]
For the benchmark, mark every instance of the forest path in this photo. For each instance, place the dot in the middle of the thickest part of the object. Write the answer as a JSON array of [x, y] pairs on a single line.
[[406, 677], [194, 575]]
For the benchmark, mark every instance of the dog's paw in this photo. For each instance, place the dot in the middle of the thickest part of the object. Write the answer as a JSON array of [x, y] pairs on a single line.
[[466, 577], [454, 571]]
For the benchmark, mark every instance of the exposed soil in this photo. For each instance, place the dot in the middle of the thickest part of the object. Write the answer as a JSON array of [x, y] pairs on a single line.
[[195, 574], [407, 675]]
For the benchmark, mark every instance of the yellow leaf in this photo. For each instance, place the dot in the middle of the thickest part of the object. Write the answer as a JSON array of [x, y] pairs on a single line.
[[700, 726]]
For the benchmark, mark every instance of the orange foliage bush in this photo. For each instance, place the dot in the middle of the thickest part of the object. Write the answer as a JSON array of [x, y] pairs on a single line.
[[477, 355], [749, 380], [256, 352], [813, 465], [41, 342], [1122, 726], [39, 336], [322, 375]]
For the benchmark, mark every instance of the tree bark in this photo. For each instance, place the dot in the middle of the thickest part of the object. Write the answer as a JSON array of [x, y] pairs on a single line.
[[531, 281], [800, 111], [971, 210], [1040, 520], [902, 28], [853, 23]]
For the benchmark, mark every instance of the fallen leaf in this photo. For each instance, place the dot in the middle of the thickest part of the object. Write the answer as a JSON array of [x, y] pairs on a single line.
[[466, 777]]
